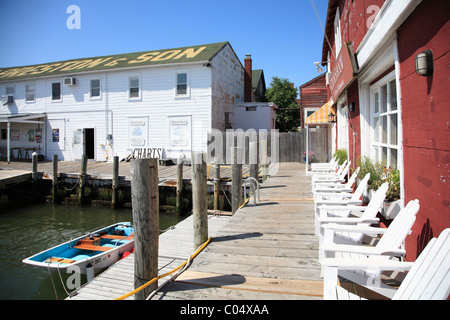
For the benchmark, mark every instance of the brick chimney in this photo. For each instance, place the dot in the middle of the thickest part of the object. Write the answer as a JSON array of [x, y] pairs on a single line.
[[248, 87]]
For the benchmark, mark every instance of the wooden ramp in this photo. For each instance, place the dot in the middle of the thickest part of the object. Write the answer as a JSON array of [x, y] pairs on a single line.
[[264, 251]]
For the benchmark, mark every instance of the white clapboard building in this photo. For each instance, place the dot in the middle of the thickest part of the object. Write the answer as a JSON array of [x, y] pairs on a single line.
[[161, 103]]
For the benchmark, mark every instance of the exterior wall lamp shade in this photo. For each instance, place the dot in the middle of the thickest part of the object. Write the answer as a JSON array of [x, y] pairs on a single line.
[[424, 63]]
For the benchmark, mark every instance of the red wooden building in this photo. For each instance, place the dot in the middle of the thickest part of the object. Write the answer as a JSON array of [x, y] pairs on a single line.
[[388, 108], [313, 95]]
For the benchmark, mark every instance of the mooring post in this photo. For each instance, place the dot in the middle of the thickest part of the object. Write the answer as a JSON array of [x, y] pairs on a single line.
[[115, 182], [254, 160], [199, 198], [216, 183], [82, 179], [265, 163], [34, 173], [55, 178], [179, 186], [236, 180], [145, 211]]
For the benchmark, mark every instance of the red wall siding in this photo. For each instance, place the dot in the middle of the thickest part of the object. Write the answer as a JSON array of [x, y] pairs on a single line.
[[426, 120]]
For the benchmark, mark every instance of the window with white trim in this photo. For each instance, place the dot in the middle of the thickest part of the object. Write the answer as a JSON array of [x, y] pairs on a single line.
[[56, 91], [30, 93], [182, 84], [95, 88], [384, 122], [134, 88], [337, 32], [10, 90]]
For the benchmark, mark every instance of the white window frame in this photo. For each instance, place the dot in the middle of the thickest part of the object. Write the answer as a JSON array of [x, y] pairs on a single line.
[[188, 86], [60, 91], [132, 77], [13, 87], [99, 97], [337, 32], [380, 141], [27, 86]]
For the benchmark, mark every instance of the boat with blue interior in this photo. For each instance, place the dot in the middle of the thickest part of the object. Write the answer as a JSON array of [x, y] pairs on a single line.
[[98, 249]]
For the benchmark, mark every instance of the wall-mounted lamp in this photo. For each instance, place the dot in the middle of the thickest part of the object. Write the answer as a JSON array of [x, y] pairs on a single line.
[[331, 117], [424, 63], [317, 64], [351, 106]]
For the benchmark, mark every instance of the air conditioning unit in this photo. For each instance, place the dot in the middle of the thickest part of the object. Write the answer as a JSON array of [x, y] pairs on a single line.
[[7, 99], [70, 81]]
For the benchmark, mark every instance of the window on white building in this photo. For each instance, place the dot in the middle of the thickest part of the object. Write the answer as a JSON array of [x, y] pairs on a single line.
[[29, 93], [182, 84], [11, 90], [134, 91], [56, 91], [384, 122], [95, 88]]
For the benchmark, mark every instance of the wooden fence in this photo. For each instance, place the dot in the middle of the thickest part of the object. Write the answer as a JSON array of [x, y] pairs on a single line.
[[291, 146]]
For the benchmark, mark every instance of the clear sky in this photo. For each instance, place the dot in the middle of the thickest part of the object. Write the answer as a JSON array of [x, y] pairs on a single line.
[[284, 37]]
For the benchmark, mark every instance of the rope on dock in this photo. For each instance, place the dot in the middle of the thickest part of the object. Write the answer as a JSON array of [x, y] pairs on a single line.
[[165, 274]]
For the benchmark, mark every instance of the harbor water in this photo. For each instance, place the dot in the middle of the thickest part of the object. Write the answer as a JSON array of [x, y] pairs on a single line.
[[29, 229]]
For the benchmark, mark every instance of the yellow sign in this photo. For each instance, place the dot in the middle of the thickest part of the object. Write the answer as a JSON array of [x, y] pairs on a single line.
[[117, 61]]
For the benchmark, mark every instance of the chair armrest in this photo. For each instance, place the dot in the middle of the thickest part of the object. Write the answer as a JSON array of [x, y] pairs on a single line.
[[365, 250], [336, 202], [357, 228], [337, 193], [348, 208], [336, 220], [366, 263]]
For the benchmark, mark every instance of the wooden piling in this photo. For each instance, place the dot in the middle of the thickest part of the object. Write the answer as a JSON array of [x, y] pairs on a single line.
[[55, 178], [145, 210], [216, 183], [178, 204], [115, 183], [199, 198], [264, 160], [253, 160], [81, 192], [236, 180], [34, 173]]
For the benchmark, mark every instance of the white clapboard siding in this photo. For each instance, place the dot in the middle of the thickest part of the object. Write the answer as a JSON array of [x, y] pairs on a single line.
[[213, 90]]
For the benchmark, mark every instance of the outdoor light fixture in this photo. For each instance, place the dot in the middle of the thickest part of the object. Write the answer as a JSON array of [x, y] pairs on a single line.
[[424, 63], [317, 64], [331, 117]]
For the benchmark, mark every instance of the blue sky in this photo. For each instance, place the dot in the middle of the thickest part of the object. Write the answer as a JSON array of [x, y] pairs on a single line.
[[284, 37]]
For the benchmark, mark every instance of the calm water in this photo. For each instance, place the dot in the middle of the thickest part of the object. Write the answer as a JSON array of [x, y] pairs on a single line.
[[33, 228]]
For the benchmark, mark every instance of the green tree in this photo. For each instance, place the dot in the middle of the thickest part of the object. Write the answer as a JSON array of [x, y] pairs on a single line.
[[284, 95]]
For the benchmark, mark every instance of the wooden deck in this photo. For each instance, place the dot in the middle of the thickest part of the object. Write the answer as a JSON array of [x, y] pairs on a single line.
[[267, 251]]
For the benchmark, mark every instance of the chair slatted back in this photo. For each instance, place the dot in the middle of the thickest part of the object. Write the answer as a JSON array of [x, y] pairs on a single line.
[[429, 277]]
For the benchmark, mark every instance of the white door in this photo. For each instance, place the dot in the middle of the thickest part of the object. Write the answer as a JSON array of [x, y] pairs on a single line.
[[56, 137], [342, 122]]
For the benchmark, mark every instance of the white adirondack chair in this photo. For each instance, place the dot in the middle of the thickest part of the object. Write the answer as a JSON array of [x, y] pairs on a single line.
[[339, 176], [325, 166], [329, 187], [338, 199], [351, 214], [389, 246], [428, 277]]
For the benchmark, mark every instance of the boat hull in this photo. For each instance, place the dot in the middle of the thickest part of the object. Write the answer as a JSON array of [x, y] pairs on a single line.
[[98, 249]]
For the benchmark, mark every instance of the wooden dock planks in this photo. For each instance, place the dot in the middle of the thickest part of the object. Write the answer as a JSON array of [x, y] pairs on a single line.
[[267, 251]]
